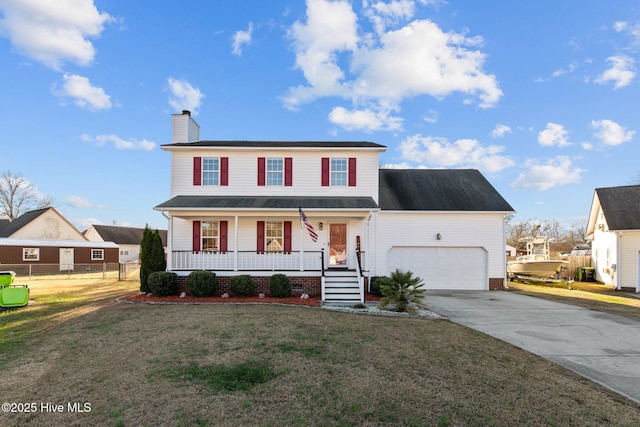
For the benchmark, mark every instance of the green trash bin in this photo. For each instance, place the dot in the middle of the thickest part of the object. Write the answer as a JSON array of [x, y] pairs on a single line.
[[586, 274]]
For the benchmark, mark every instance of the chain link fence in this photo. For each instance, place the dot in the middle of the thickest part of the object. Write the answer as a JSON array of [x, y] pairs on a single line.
[[105, 270]]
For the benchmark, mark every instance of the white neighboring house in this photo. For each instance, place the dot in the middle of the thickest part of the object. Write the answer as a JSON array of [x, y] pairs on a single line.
[[614, 231], [127, 238], [235, 208]]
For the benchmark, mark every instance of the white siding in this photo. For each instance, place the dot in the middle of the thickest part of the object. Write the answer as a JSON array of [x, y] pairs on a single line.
[[627, 268], [243, 173], [48, 226], [457, 230], [184, 129]]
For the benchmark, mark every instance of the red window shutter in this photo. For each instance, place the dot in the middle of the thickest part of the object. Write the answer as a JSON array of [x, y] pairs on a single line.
[[287, 237], [288, 171], [260, 241], [196, 236], [262, 170], [224, 226], [197, 171], [352, 171], [325, 171], [224, 171]]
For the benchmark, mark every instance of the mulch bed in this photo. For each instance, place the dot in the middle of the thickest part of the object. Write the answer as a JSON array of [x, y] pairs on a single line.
[[312, 301]]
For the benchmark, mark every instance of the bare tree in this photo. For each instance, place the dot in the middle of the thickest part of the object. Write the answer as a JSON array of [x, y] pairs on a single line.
[[17, 195]]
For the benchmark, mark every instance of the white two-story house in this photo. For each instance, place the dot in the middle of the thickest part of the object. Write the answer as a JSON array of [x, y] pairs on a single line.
[[235, 209]]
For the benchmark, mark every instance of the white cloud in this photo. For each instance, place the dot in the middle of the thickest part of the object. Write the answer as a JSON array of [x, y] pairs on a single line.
[[81, 202], [366, 119], [500, 130], [241, 38], [633, 30], [119, 143], [469, 153], [622, 71], [553, 134], [553, 173], [431, 116], [610, 132], [53, 32], [184, 96], [381, 69], [84, 93]]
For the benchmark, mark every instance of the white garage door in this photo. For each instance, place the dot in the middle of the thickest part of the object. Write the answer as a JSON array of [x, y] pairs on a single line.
[[443, 268]]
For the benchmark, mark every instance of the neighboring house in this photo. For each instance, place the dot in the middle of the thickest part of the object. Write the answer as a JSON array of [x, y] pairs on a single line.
[[234, 209], [41, 224], [614, 231], [510, 250], [44, 236], [127, 238]]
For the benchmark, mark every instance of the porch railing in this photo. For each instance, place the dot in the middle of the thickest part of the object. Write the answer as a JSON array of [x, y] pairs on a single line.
[[247, 261]]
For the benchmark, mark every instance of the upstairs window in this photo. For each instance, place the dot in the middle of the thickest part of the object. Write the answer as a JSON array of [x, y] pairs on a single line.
[[210, 171], [275, 171], [339, 172]]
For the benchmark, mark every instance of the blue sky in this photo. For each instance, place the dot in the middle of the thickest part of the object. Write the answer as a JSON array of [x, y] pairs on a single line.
[[541, 96]]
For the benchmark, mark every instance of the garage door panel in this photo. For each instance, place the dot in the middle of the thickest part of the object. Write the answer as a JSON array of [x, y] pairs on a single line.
[[443, 268]]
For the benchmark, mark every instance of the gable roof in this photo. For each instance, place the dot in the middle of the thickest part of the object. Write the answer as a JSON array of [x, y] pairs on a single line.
[[20, 222], [439, 190], [125, 235], [621, 206]]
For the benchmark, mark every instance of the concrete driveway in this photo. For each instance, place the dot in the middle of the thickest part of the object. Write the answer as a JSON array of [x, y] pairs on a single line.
[[602, 347]]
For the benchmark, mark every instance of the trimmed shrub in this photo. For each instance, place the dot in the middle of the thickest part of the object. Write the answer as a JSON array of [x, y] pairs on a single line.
[[163, 283], [375, 286], [242, 285], [279, 286], [202, 283]]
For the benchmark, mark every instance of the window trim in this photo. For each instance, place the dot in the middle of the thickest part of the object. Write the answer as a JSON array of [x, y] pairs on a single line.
[[24, 254], [278, 173], [215, 237], [95, 252], [215, 172], [342, 173]]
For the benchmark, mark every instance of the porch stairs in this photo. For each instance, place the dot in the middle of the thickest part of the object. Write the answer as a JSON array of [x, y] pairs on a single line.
[[341, 287]]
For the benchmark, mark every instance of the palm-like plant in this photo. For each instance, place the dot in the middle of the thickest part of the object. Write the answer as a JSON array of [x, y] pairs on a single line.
[[403, 290]]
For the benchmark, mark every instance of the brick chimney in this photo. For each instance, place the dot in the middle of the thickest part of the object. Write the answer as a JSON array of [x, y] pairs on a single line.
[[184, 128]]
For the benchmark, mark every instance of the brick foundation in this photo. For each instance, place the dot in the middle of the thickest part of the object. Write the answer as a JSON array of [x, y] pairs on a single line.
[[496, 284], [627, 289], [299, 285]]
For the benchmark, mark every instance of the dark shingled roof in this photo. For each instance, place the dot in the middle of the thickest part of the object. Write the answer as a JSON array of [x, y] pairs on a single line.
[[621, 206], [125, 235], [8, 229], [279, 144], [439, 190], [266, 202]]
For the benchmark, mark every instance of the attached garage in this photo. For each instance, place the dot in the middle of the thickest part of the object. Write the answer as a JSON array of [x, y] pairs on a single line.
[[451, 268]]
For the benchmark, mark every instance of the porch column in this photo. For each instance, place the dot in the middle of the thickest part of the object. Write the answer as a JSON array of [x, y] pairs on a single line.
[[301, 247], [235, 245]]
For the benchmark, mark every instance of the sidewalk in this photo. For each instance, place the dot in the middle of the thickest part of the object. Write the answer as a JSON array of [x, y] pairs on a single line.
[[602, 347]]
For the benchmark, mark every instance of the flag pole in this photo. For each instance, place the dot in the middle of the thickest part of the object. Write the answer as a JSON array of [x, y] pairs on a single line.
[[301, 240]]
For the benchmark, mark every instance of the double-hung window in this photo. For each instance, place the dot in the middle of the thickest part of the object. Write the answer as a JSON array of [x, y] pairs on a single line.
[[275, 171], [274, 236], [338, 172], [210, 171], [210, 236]]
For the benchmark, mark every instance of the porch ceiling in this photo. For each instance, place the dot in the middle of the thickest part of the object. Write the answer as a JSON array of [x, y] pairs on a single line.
[[266, 203]]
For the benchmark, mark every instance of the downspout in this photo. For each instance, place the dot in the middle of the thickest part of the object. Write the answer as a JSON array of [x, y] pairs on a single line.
[[504, 252], [368, 252], [617, 258]]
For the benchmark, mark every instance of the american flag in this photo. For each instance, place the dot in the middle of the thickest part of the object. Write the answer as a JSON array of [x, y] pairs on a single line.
[[307, 223]]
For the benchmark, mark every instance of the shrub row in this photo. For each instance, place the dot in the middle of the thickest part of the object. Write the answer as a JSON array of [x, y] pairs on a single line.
[[205, 284]]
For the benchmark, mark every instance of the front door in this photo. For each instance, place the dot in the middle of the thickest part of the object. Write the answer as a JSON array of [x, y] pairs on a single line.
[[338, 245]]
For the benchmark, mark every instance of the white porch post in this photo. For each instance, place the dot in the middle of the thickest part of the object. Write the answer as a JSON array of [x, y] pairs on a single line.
[[235, 245]]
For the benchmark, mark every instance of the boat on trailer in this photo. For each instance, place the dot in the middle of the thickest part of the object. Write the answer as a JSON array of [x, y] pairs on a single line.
[[537, 262]]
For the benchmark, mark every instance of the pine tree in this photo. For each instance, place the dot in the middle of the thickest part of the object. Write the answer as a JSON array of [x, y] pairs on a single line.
[[157, 253], [145, 258]]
